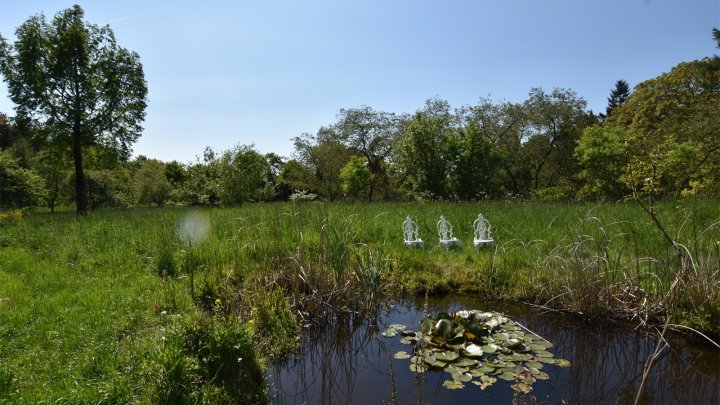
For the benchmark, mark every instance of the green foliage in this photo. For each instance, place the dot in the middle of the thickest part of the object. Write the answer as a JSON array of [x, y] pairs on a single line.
[[555, 123], [674, 121], [356, 177], [321, 159], [176, 173], [424, 153], [617, 96], [478, 162], [296, 177], [52, 166], [20, 187], [275, 323], [370, 134], [273, 189], [8, 134], [105, 188], [242, 175], [72, 76], [603, 154], [208, 358], [203, 183], [150, 183]]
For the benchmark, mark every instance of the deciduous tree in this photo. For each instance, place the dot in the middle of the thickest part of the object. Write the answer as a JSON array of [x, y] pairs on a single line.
[[323, 155], [369, 133], [674, 118], [151, 185], [243, 172], [603, 153], [424, 150], [356, 177], [73, 77], [556, 123]]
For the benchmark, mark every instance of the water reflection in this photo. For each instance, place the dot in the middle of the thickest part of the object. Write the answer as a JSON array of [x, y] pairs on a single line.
[[348, 361]]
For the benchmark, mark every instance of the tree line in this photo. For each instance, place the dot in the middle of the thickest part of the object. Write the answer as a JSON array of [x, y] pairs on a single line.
[[81, 100]]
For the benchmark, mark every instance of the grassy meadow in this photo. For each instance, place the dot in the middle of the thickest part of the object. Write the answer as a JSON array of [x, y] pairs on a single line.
[[183, 305]]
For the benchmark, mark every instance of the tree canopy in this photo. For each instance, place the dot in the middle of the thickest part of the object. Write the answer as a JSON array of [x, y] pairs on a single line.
[[81, 99], [73, 78], [674, 122]]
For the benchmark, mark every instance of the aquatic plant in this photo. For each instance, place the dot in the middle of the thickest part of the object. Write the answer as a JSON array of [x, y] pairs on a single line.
[[478, 347]]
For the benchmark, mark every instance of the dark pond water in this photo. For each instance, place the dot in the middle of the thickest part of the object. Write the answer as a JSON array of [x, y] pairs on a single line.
[[350, 362]]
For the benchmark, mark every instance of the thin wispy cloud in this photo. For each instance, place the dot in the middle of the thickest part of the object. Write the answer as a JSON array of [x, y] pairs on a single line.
[[130, 17]]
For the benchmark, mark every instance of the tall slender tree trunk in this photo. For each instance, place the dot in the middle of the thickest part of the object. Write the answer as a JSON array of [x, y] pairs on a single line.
[[80, 194]]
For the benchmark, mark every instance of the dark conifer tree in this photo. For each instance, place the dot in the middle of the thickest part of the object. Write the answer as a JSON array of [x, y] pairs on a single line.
[[618, 96]]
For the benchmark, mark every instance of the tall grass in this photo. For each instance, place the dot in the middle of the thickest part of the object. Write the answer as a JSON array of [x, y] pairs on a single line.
[[120, 307]]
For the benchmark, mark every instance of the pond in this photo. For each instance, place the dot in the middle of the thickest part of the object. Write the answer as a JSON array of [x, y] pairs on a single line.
[[349, 361]]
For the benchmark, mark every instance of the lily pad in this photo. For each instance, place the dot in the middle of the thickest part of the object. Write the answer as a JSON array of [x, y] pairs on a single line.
[[534, 364], [390, 333], [408, 340], [426, 326], [432, 361], [526, 376], [520, 356], [492, 323], [539, 346], [485, 382], [452, 369], [475, 344], [521, 387], [547, 360], [453, 385], [507, 376], [460, 376], [487, 369], [562, 363], [475, 372], [490, 348], [474, 350], [465, 362], [456, 343], [496, 364], [402, 355], [446, 356]]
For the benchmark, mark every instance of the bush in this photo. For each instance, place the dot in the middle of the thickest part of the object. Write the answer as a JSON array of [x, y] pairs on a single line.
[[20, 187]]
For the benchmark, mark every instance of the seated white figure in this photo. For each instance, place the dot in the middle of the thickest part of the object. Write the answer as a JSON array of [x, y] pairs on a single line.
[[447, 240], [410, 231], [482, 236]]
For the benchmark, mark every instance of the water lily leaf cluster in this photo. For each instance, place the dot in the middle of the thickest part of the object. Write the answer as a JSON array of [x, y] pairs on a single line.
[[479, 347]]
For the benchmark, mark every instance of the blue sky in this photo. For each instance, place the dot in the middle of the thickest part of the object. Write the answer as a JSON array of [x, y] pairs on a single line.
[[222, 73]]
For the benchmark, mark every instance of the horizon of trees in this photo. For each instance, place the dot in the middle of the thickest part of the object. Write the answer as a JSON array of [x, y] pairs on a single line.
[[660, 139]]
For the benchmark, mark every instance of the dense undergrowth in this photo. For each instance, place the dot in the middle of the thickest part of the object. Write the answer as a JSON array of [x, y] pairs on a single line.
[[187, 306]]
